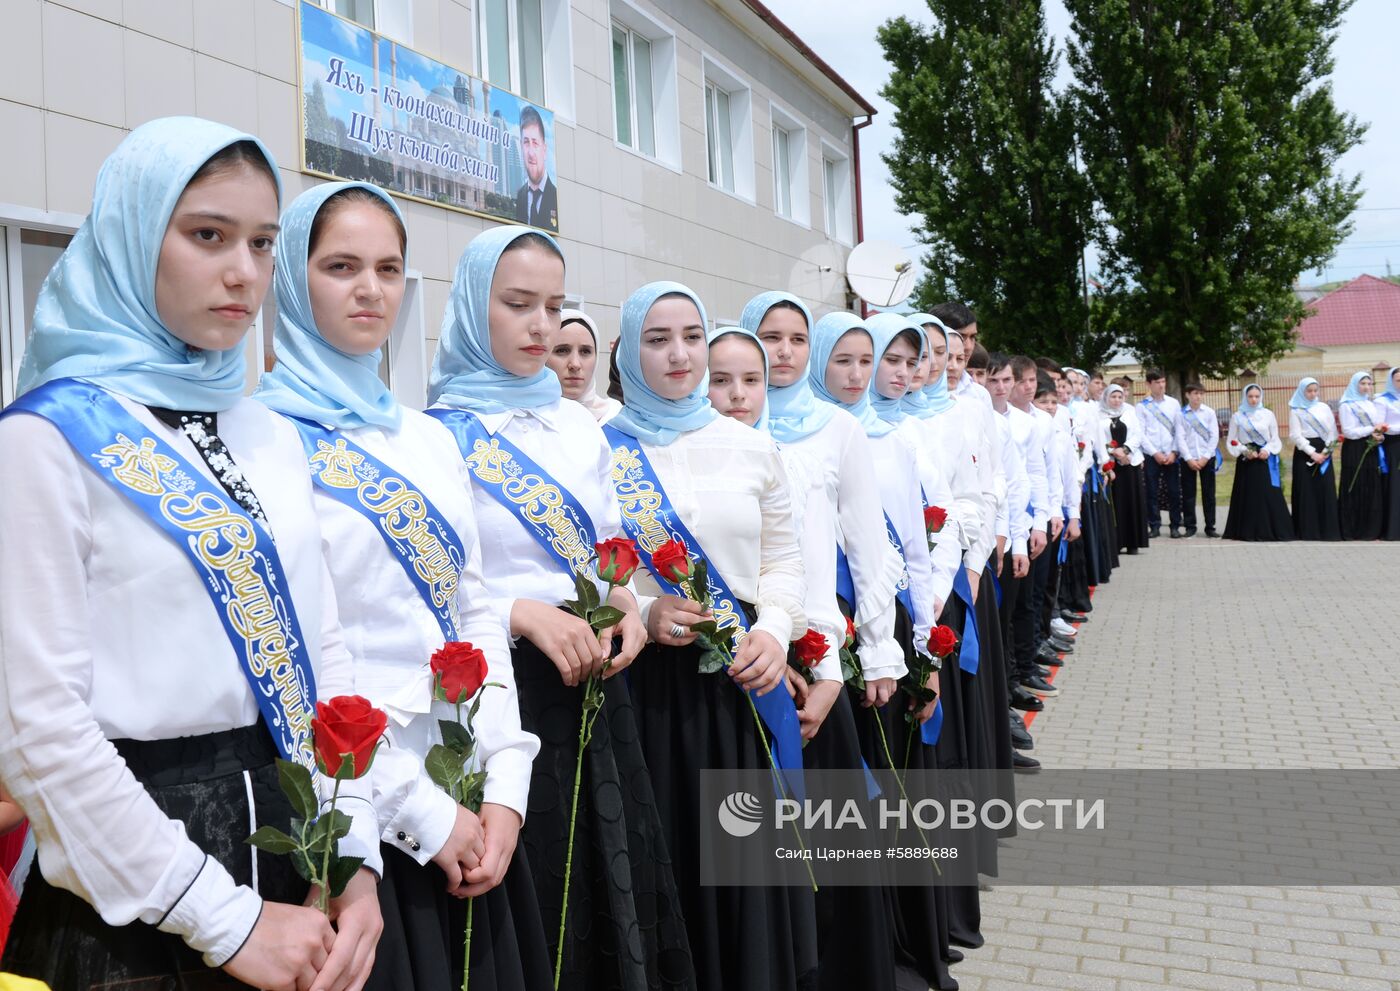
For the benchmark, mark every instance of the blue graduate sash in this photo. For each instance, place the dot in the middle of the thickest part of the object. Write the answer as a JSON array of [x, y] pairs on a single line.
[[547, 510], [233, 554], [901, 588], [1161, 417], [932, 727], [1262, 442], [422, 541], [651, 521], [845, 584], [1380, 449], [970, 653], [1317, 427]]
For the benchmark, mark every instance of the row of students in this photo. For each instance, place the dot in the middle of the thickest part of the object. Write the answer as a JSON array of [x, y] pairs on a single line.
[[141, 718]]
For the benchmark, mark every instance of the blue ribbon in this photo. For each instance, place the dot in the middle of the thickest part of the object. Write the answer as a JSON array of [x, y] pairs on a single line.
[[901, 589], [548, 511], [1094, 479], [1064, 550], [1273, 471], [845, 584], [932, 726], [970, 655], [1385, 465], [651, 521], [233, 554], [1219, 460], [425, 545]]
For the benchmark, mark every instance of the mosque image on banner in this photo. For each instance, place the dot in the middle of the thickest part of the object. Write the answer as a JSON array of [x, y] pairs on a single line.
[[377, 111]]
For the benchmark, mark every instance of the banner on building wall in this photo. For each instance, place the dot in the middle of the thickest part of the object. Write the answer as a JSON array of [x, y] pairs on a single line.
[[379, 112]]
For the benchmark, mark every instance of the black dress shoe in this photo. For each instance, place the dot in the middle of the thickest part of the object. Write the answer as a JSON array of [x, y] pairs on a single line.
[[1040, 686], [1024, 700], [1020, 762], [1015, 717], [1062, 646], [1211, 533], [1176, 532], [1190, 531], [1154, 532], [1070, 616], [1021, 740], [1049, 658]]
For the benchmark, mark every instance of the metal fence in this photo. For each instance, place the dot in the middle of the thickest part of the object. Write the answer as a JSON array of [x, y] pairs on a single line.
[[1223, 395]]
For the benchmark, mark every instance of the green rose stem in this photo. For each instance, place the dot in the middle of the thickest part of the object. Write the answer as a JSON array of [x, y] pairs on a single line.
[[323, 898], [689, 587], [1371, 445]]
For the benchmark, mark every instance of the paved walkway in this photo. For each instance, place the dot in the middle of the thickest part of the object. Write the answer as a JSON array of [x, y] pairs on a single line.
[[1207, 654]]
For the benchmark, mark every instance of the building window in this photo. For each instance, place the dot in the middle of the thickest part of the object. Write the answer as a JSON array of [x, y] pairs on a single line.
[[791, 198], [359, 11], [26, 255], [836, 194], [634, 110], [391, 18], [511, 49], [728, 131]]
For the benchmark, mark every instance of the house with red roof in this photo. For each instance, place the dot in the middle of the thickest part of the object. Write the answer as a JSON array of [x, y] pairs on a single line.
[[1353, 327]]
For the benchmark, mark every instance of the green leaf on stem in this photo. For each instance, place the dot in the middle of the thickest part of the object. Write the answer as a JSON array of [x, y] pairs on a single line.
[[473, 791], [330, 827], [302, 862], [455, 736], [341, 871], [700, 580], [605, 616], [707, 628], [445, 766], [296, 785], [587, 594], [271, 840]]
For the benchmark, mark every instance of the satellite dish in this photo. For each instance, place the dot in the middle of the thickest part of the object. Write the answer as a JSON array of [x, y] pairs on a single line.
[[880, 273]]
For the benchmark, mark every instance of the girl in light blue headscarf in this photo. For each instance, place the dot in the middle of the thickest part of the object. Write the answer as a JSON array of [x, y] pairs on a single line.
[[1312, 430], [727, 387], [885, 329], [725, 484], [1388, 404], [1257, 509], [794, 412], [526, 450], [932, 397], [826, 335], [115, 631], [1365, 463]]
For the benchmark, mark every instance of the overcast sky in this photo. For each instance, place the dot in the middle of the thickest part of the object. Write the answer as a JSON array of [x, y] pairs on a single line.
[[843, 33]]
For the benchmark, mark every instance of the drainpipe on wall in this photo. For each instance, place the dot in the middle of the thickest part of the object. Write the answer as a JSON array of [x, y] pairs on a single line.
[[860, 210]]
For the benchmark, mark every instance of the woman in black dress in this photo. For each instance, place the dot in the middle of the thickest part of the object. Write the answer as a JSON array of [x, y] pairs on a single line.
[[1123, 439], [1313, 432], [1365, 464], [1257, 509], [1388, 402]]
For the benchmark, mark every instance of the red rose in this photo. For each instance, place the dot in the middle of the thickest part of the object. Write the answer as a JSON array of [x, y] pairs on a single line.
[[459, 670], [850, 633], [1107, 466], [672, 561], [617, 560], [347, 724], [1113, 445], [934, 518], [810, 649], [942, 640]]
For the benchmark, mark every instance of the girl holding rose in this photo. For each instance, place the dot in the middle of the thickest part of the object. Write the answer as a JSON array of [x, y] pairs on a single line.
[[723, 483], [1362, 480], [339, 286], [1257, 509], [130, 732], [1312, 430], [1122, 437], [621, 924]]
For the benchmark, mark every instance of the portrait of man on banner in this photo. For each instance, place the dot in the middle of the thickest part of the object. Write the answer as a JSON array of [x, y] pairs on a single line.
[[537, 202]]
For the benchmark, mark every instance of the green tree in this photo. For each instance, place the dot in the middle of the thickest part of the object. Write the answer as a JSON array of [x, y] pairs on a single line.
[[984, 159], [1211, 138]]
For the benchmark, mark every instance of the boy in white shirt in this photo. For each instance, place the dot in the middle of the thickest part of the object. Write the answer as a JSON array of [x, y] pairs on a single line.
[[1197, 442]]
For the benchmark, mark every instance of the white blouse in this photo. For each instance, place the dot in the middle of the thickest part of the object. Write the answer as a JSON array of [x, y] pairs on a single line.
[[1354, 426], [896, 472], [1133, 442], [945, 557], [727, 483], [1391, 409], [977, 423], [1299, 429], [1013, 520], [847, 468], [814, 519], [108, 633], [392, 634], [1263, 423], [563, 439]]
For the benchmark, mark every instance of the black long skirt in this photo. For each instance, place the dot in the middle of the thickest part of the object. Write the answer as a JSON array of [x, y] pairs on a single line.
[[624, 927], [1130, 505], [1361, 504], [1257, 509], [854, 929], [745, 938], [1109, 514], [60, 939], [424, 938], [1391, 488], [1314, 498]]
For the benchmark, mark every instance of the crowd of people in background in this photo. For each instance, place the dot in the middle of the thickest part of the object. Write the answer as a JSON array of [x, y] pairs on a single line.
[[890, 521]]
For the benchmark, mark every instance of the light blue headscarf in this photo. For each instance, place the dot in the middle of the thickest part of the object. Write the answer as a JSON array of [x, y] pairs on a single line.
[[825, 334], [714, 335], [465, 372], [884, 328], [1298, 400], [1245, 408], [1353, 393], [933, 398], [646, 415], [313, 379], [96, 315], [792, 410], [1390, 390]]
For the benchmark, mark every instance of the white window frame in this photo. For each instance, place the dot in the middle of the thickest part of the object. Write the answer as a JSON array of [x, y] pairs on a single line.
[[14, 218], [392, 18], [665, 102], [844, 211], [799, 183], [740, 125], [557, 56]]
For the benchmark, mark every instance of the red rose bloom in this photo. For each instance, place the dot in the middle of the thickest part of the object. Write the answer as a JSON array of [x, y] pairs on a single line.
[[934, 518], [942, 640], [850, 633], [1108, 466], [617, 560], [1113, 445], [672, 561], [459, 670], [347, 724], [810, 649]]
